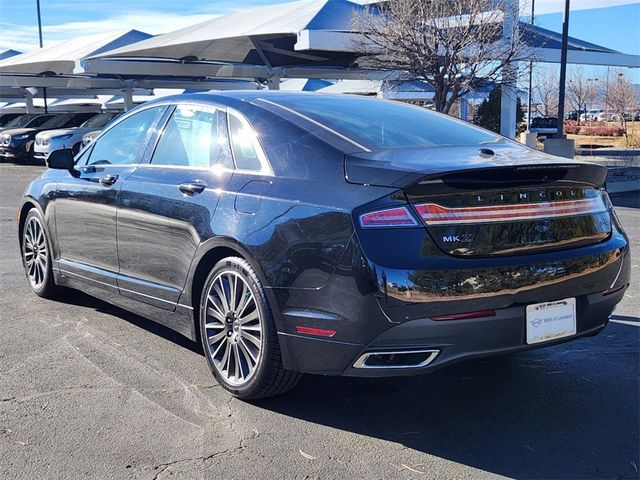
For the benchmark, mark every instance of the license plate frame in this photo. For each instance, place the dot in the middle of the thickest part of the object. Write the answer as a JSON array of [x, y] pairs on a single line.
[[548, 321]]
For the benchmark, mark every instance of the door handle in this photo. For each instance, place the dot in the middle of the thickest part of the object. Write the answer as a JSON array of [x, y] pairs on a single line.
[[192, 188], [109, 180]]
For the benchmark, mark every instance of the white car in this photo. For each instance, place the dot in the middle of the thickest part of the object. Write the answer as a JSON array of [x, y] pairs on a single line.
[[50, 140], [90, 137], [594, 115]]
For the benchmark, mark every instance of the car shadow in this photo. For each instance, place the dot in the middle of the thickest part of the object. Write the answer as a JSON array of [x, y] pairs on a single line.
[[78, 298], [562, 412]]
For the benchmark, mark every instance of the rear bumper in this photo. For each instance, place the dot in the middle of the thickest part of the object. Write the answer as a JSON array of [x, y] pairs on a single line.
[[375, 309], [453, 340]]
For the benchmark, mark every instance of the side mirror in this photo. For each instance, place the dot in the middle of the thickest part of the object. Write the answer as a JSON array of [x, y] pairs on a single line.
[[61, 159]]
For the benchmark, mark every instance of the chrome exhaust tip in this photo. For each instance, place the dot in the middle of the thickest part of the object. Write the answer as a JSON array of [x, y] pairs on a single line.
[[399, 359]]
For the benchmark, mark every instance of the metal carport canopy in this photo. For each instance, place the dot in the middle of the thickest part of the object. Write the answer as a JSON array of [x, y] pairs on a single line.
[[280, 39], [259, 43], [546, 45], [60, 58], [52, 68], [259, 36]]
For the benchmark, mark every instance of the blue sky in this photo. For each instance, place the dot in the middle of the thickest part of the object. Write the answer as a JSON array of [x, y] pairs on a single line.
[[613, 27], [612, 23]]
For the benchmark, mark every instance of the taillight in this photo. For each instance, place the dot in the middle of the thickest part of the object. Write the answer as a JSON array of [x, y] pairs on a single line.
[[434, 214], [391, 217], [321, 332]]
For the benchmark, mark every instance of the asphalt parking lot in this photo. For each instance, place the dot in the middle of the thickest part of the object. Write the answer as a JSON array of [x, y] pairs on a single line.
[[90, 391]]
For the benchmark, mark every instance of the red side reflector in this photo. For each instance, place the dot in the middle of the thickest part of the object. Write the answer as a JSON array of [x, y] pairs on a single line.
[[463, 316], [392, 217], [434, 214], [315, 331]]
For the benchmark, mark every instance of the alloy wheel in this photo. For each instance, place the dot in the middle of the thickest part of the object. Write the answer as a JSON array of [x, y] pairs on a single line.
[[234, 328], [35, 253]]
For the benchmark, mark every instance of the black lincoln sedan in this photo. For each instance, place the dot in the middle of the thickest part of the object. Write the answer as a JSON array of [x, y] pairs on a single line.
[[336, 235]]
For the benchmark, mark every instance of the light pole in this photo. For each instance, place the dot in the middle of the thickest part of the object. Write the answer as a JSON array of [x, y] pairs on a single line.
[[44, 89], [533, 12], [591, 92], [606, 91], [563, 69]]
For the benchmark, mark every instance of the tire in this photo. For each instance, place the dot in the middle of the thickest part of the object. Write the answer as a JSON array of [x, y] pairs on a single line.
[[36, 256], [238, 333]]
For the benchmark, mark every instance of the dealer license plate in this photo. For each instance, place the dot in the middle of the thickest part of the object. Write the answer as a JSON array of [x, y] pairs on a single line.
[[551, 320]]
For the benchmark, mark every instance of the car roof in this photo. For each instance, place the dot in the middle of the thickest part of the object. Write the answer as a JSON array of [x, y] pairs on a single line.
[[233, 96]]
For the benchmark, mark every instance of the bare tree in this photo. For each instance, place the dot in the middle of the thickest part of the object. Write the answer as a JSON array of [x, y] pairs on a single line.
[[545, 91], [456, 46], [582, 91], [622, 97]]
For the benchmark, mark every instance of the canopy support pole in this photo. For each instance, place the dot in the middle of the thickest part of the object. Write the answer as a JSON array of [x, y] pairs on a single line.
[[28, 101], [464, 109], [273, 81], [508, 102], [128, 97]]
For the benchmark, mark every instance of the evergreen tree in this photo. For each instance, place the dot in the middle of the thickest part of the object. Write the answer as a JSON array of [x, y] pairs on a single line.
[[488, 113]]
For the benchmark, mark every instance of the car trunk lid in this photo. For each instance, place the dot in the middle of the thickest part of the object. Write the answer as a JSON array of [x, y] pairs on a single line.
[[481, 202]]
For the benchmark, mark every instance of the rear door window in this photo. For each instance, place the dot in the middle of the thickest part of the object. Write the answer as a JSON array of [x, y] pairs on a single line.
[[194, 137], [247, 152]]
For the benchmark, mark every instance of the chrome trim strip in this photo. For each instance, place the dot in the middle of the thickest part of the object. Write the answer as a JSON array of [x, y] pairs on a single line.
[[64, 272], [116, 287], [618, 274], [362, 361], [312, 314], [510, 212], [319, 339], [216, 168]]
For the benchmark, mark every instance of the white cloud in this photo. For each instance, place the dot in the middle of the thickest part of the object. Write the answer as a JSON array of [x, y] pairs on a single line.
[[25, 38]]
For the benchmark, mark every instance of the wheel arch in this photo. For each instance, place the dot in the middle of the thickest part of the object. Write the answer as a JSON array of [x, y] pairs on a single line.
[[27, 205], [210, 253]]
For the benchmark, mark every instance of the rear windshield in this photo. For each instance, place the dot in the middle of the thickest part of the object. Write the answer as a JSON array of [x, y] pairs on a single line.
[[98, 121], [386, 124], [56, 122], [77, 119]]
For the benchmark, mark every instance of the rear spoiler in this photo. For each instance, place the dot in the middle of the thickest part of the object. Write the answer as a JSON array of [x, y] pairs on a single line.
[[464, 168], [584, 174]]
